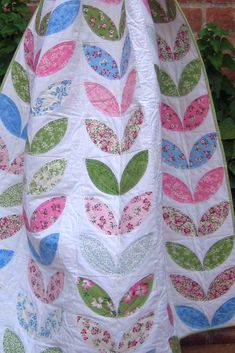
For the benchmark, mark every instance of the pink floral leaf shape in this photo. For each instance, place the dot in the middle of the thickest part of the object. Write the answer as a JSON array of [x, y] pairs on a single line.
[[100, 215], [95, 335], [137, 335], [135, 212], [136, 296], [170, 315], [221, 284], [10, 225], [179, 222], [176, 189], [213, 218], [128, 91], [102, 99], [209, 184], [187, 287], [132, 130], [45, 214], [36, 59], [16, 166], [54, 288], [29, 48], [55, 58], [103, 136], [196, 113], [170, 120]]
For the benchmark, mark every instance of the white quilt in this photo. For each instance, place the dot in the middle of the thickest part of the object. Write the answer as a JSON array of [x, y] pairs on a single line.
[[116, 225]]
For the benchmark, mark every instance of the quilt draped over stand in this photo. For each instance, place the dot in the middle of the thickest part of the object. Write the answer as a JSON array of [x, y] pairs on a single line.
[[116, 223]]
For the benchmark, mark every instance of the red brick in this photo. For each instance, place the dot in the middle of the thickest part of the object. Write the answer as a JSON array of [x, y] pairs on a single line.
[[194, 17], [224, 17]]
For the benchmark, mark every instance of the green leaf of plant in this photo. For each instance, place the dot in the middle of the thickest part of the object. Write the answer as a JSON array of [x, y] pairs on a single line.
[[48, 137], [96, 298], [225, 44], [103, 26], [227, 129], [12, 196], [102, 176], [134, 299], [20, 81], [167, 85], [184, 257], [47, 177], [190, 77], [12, 343], [122, 24], [134, 171], [218, 253], [232, 166], [53, 350], [229, 62]]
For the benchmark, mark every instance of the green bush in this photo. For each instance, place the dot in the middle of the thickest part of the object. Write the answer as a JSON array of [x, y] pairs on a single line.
[[14, 17], [217, 52]]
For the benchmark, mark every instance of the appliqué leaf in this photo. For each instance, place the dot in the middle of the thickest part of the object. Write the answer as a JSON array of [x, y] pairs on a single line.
[[5, 257], [29, 48], [51, 99], [12, 342], [20, 81], [16, 166], [45, 214], [218, 253], [53, 350], [159, 15], [47, 177], [47, 137], [102, 217], [181, 46], [10, 115], [10, 225], [188, 288], [62, 16], [46, 250], [192, 317], [54, 287], [102, 177], [184, 257], [225, 313], [12, 196], [179, 222], [132, 130], [174, 343], [221, 284], [55, 58], [131, 258], [194, 115], [129, 89], [213, 219]]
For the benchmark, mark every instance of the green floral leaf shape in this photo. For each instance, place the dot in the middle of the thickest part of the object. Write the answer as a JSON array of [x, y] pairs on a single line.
[[100, 23], [122, 24], [47, 137], [20, 81], [102, 177], [12, 343], [190, 77], [218, 253], [47, 177], [12, 196], [159, 14], [96, 298], [136, 296], [41, 25], [174, 343], [134, 171], [167, 85], [184, 257], [53, 350], [188, 80]]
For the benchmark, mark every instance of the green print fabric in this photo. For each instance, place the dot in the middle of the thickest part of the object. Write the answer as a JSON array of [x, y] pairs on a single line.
[[116, 219]]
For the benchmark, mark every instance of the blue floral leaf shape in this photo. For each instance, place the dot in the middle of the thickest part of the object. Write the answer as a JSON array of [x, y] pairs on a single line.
[[10, 115], [26, 314], [152, 351], [51, 99], [225, 313], [5, 257], [24, 132], [63, 16], [192, 317], [203, 150], [126, 53], [52, 325], [47, 249], [173, 156], [101, 62]]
